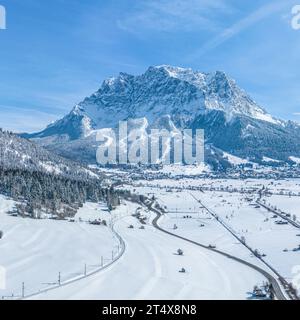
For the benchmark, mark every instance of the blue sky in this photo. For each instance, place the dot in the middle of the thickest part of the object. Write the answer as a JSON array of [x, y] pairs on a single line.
[[54, 53]]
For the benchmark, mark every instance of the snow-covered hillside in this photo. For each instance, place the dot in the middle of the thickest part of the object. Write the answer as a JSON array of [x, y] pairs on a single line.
[[22, 154], [36, 251]]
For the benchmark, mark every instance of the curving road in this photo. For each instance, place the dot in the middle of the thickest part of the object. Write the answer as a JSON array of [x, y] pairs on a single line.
[[276, 287], [149, 270]]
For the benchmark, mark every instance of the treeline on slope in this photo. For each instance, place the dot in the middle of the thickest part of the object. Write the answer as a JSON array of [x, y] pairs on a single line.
[[60, 196], [20, 153], [44, 183]]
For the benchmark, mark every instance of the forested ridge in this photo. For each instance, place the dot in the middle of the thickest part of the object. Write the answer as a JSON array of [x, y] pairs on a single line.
[[42, 182]]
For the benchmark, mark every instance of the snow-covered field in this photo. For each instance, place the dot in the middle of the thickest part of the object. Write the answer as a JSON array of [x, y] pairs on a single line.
[[239, 212], [258, 227], [287, 204], [186, 217], [149, 269], [35, 251], [291, 186]]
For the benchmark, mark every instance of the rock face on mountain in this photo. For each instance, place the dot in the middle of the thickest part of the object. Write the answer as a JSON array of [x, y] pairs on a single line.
[[171, 97]]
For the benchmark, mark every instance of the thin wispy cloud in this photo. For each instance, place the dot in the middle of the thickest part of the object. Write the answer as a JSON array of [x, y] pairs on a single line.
[[85, 42], [174, 15], [24, 120], [241, 25], [61, 102]]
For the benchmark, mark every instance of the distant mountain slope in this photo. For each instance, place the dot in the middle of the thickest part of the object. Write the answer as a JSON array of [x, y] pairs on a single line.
[[171, 97], [44, 183], [19, 153]]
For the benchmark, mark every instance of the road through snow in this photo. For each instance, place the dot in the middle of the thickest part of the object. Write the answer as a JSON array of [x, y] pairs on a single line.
[[149, 269]]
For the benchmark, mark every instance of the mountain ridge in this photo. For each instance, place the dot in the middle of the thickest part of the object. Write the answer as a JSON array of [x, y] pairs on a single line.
[[17, 153], [175, 97]]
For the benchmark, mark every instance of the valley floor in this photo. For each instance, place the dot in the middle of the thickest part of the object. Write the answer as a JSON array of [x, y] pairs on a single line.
[[238, 214], [35, 251], [149, 269]]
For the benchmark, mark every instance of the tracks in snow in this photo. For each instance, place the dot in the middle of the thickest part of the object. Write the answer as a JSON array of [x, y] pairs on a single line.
[[122, 246], [276, 287], [144, 291]]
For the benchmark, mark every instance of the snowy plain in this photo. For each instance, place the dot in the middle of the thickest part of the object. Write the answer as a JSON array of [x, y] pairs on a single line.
[[235, 203], [149, 269], [35, 251], [288, 204]]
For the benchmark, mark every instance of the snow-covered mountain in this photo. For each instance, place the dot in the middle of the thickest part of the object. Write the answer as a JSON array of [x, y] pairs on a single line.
[[44, 183], [172, 97], [20, 154]]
